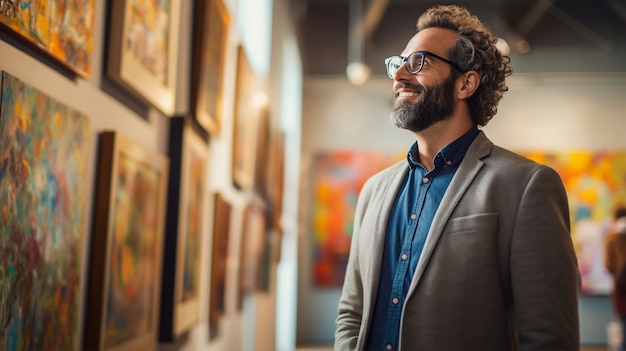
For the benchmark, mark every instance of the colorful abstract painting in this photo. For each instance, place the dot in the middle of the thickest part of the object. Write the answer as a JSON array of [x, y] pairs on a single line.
[[193, 217], [147, 38], [124, 282], [595, 182], [43, 167], [62, 28], [338, 179], [135, 257]]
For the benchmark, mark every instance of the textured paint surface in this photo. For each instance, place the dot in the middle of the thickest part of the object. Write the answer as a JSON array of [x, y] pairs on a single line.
[[64, 28], [134, 257], [339, 177], [43, 172]]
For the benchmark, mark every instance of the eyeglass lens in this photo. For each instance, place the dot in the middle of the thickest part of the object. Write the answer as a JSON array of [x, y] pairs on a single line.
[[413, 63]]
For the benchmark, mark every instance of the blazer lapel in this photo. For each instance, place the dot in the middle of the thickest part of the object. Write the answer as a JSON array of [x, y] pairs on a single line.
[[468, 169], [380, 228]]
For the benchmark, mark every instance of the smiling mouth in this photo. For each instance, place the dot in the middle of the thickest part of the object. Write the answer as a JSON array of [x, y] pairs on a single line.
[[407, 94]]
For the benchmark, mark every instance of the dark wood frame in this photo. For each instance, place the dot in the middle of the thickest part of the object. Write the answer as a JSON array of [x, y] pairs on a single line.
[[131, 74], [219, 255], [113, 146], [275, 177], [178, 314]]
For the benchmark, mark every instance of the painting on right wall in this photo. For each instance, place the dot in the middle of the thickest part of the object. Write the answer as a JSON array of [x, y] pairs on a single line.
[[595, 182]]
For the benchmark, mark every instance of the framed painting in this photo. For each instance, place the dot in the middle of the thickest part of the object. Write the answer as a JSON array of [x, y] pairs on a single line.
[[338, 178], [209, 49], [180, 291], [255, 249], [59, 30], [262, 152], [245, 129], [126, 247], [595, 182], [275, 176], [219, 257], [43, 219], [143, 50]]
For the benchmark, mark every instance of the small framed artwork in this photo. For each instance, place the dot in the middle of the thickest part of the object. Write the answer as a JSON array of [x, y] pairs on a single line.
[[255, 249], [44, 157], [262, 152], [59, 30], [180, 292], [209, 48], [219, 257], [126, 248], [245, 129], [143, 50], [275, 177]]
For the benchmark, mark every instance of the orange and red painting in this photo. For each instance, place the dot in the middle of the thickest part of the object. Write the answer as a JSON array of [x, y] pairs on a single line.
[[62, 28], [595, 182], [338, 179]]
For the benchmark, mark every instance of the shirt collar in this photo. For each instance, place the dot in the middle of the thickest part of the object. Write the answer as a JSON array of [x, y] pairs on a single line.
[[451, 154]]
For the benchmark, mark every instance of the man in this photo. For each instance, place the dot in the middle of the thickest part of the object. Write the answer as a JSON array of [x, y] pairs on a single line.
[[464, 246]]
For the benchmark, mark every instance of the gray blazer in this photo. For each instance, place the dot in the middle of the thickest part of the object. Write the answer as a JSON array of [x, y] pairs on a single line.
[[498, 270]]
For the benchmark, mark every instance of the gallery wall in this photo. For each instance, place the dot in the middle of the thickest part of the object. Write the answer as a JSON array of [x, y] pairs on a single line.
[[264, 30], [541, 112]]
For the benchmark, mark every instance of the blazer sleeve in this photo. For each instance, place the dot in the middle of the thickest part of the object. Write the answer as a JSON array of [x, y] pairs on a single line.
[[544, 270]]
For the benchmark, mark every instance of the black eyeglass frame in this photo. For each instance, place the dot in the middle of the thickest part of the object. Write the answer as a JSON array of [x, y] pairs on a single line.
[[423, 53]]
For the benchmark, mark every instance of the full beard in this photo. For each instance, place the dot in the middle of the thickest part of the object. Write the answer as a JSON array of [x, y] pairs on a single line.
[[434, 105]]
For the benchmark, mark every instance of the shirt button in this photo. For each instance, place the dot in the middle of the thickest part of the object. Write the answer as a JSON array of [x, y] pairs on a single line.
[[413, 216], [449, 163], [388, 347], [395, 301], [424, 180], [404, 257]]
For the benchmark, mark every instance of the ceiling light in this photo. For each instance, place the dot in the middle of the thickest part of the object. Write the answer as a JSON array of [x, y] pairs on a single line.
[[358, 72]]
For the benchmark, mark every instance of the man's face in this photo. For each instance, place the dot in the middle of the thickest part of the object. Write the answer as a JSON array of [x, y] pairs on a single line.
[[423, 99]]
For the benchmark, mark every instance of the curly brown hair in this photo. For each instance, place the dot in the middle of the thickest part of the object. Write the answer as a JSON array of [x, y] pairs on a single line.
[[475, 50]]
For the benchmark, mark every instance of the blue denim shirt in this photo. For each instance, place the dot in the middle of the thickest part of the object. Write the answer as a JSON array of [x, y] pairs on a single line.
[[409, 223]]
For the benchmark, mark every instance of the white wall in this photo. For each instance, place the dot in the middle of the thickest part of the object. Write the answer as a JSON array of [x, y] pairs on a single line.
[[543, 111]]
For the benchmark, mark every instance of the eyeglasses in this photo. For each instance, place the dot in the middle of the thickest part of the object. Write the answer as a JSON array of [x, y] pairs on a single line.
[[414, 62]]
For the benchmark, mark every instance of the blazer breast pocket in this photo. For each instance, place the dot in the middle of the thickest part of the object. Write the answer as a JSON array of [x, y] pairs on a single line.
[[475, 224], [470, 240]]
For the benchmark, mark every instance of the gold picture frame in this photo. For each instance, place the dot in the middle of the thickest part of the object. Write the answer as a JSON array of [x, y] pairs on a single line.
[[143, 51], [209, 53], [126, 248]]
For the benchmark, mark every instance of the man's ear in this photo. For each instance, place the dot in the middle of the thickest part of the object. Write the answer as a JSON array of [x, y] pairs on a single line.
[[469, 84]]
